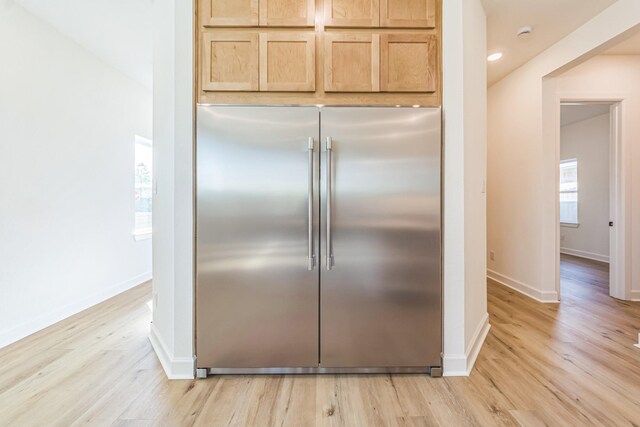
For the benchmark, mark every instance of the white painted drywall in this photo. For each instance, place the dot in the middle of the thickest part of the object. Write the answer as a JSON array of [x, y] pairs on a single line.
[[618, 75], [475, 174], [67, 128], [523, 158], [465, 323], [117, 31], [172, 331], [464, 106], [588, 142]]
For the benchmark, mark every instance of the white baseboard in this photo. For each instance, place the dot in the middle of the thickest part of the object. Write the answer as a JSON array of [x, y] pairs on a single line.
[[538, 295], [32, 326], [176, 368], [461, 365], [584, 254], [477, 342], [635, 295]]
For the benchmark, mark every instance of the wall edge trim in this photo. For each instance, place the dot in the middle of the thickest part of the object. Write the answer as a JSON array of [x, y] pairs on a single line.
[[524, 289], [461, 365], [584, 254], [176, 368], [477, 342]]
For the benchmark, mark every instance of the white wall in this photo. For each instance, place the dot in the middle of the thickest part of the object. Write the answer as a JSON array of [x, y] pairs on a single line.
[[67, 127], [465, 323], [523, 157], [464, 104], [588, 142], [172, 332], [475, 174], [619, 75]]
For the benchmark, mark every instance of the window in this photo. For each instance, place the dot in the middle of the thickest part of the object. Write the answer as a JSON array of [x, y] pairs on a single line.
[[143, 193], [569, 192]]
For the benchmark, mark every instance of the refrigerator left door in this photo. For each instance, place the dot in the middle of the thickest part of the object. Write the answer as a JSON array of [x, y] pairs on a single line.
[[257, 290]]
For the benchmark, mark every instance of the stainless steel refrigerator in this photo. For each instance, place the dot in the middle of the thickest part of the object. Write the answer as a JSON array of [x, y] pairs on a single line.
[[318, 239]]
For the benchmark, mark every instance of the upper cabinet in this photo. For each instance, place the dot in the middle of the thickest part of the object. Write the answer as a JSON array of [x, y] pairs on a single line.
[[331, 52], [408, 63], [230, 61], [408, 13], [301, 13], [380, 13], [254, 13], [287, 62], [351, 63], [287, 13], [351, 13], [229, 13]]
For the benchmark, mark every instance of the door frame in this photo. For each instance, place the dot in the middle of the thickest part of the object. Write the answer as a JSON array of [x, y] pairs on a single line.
[[619, 190]]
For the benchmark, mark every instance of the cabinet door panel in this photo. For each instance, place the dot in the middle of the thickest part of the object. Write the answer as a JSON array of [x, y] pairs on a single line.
[[408, 13], [230, 61], [287, 13], [287, 62], [408, 63], [351, 13], [352, 63], [229, 13]]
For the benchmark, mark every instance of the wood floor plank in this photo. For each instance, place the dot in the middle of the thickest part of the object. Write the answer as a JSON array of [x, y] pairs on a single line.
[[132, 423], [571, 363], [105, 410], [224, 404]]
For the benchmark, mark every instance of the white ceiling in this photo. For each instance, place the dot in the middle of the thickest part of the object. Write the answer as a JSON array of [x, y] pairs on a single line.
[[551, 20], [628, 46], [117, 31], [576, 113]]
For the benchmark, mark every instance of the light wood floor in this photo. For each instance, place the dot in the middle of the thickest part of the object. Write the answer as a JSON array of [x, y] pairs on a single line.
[[568, 364]]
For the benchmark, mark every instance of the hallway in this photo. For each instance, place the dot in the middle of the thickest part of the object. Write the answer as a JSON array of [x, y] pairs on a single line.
[[583, 278]]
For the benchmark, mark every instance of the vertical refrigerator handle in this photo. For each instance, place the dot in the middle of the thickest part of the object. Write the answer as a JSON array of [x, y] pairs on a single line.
[[311, 261], [329, 164]]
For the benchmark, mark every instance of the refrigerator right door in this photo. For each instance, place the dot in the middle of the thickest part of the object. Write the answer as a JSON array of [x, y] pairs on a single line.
[[380, 292]]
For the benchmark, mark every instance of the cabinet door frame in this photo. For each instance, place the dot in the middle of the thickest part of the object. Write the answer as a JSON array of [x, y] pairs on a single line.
[[428, 21], [309, 21], [373, 22], [209, 21], [386, 39], [253, 84], [330, 39], [310, 61]]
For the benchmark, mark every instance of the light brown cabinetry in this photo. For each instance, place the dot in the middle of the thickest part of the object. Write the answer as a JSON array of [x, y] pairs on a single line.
[[351, 13], [228, 13], [287, 62], [258, 61], [408, 63], [408, 13], [351, 63], [287, 13], [230, 61], [373, 52]]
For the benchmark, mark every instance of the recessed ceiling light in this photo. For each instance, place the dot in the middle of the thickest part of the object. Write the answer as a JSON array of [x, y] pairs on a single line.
[[494, 56]]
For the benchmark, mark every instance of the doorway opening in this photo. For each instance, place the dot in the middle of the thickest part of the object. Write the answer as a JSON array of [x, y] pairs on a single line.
[[589, 182]]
